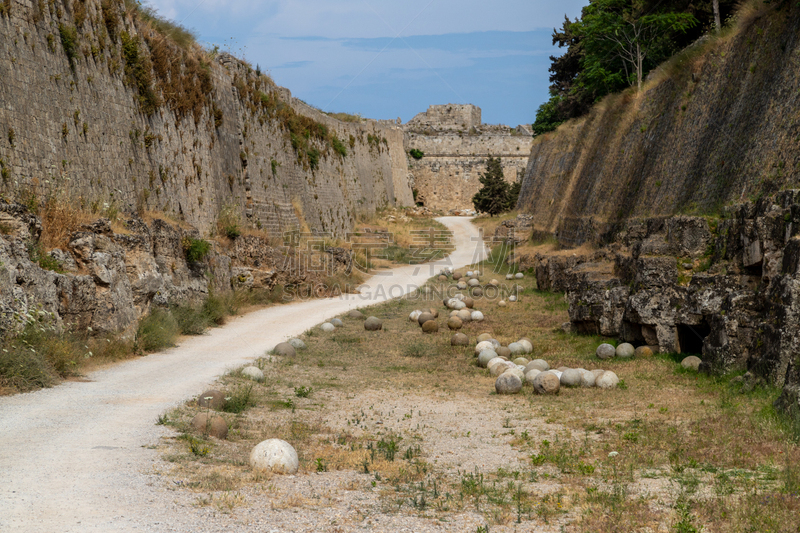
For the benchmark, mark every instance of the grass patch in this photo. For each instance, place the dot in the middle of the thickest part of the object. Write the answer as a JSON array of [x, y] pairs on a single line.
[[157, 331]]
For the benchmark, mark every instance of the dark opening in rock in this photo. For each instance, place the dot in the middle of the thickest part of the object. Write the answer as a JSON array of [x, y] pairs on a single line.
[[632, 333], [755, 270], [691, 336]]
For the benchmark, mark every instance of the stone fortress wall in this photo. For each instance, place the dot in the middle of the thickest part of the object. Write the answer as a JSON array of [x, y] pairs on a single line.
[[73, 128], [456, 145]]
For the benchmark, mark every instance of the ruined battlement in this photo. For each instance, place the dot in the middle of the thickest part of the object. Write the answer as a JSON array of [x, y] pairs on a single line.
[[450, 117]]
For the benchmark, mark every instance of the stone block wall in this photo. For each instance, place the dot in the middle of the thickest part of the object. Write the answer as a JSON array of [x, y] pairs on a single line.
[[450, 117], [74, 129], [447, 177]]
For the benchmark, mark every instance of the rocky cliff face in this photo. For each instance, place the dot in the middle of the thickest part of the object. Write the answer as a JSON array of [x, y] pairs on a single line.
[[102, 109], [719, 125], [727, 288], [109, 279]]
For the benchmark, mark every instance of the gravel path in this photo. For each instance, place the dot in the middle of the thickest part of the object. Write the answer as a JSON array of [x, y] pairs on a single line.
[[78, 457]]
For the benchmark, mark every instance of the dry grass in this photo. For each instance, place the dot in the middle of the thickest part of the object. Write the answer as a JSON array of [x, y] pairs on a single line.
[[690, 452], [60, 219]]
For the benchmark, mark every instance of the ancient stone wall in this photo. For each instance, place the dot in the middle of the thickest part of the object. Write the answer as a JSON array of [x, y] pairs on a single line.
[[450, 117], [73, 127], [718, 126], [447, 176]]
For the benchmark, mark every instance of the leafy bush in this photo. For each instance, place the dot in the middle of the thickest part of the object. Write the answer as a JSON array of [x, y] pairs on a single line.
[[37, 254], [416, 154], [313, 158], [228, 222], [195, 249], [157, 331], [240, 400]]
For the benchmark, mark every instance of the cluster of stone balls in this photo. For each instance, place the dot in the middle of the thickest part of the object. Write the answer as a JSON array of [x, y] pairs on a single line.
[[471, 281], [626, 351], [513, 370]]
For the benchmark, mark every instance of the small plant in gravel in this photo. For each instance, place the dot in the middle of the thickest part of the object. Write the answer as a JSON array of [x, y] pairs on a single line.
[[241, 399], [302, 392]]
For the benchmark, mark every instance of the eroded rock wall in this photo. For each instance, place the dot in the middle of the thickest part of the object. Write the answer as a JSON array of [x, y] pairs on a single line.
[[73, 125]]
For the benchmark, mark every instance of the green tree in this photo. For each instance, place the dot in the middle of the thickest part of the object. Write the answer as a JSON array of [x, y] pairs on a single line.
[[492, 198], [622, 42]]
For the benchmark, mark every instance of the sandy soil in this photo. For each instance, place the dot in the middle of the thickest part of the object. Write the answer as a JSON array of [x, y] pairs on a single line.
[[80, 456]]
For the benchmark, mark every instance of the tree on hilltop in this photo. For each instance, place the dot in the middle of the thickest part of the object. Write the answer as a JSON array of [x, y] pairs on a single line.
[[492, 198]]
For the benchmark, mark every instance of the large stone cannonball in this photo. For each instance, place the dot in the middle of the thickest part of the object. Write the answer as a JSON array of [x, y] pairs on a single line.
[[253, 372], [454, 323], [327, 327], [434, 312], [527, 345], [477, 292], [275, 455], [625, 350], [643, 351], [210, 425], [459, 339], [337, 322], [500, 368], [608, 380], [469, 302], [587, 379], [503, 351], [519, 275], [477, 316], [530, 375], [485, 356], [483, 345], [431, 326], [373, 324], [465, 315], [516, 348], [484, 337], [285, 349], [461, 285], [457, 275], [414, 315], [508, 383], [571, 377], [297, 344], [473, 282], [547, 383], [606, 351], [213, 399], [539, 364], [691, 363], [424, 317], [355, 313]]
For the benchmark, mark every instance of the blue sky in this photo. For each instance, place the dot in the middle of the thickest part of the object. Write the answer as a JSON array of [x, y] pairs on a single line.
[[388, 59]]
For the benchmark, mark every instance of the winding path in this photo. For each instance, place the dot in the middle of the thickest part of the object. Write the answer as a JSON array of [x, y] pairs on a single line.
[[74, 457]]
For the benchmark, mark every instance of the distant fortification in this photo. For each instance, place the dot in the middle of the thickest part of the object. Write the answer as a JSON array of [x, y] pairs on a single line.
[[454, 145]]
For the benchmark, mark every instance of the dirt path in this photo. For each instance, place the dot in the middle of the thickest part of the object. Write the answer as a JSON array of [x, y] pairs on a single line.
[[76, 457]]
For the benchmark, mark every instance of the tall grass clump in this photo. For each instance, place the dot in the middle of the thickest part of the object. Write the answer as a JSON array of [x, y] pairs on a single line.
[[157, 331]]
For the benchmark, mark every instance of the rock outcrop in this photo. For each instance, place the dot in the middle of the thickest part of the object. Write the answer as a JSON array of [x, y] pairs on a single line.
[[727, 288], [106, 280]]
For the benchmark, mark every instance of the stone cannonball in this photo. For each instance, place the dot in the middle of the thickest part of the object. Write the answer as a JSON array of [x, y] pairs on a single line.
[[373, 324], [625, 350], [508, 383], [275, 455], [284, 349], [213, 399], [327, 327], [606, 351], [210, 425], [547, 383], [459, 339], [253, 372]]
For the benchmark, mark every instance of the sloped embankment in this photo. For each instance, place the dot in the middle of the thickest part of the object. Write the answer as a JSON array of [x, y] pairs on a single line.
[[719, 124]]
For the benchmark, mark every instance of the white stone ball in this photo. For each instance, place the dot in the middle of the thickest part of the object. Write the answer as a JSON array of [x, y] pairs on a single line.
[[526, 344], [327, 327], [453, 313], [516, 348], [253, 372], [522, 361], [540, 364], [473, 282], [608, 380], [483, 345], [571, 378], [509, 276], [461, 285], [516, 371], [512, 298], [531, 374], [477, 316], [502, 303], [297, 344], [469, 273], [499, 368], [494, 361], [458, 305], [276, 455], [587, 379], [476, 273], [519, 275], [465, 315], [485, 356], [414, 315]]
